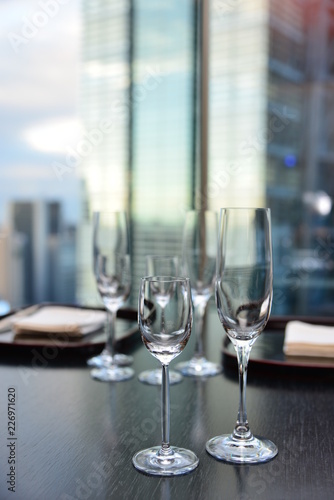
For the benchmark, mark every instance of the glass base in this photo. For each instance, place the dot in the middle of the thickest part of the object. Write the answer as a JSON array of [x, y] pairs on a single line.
[[104, 359], [154, 377], [112, 373], [180, 461], [241, 451], [198, 367]]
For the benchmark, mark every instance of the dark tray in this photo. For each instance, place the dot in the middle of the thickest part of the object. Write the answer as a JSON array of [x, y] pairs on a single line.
[[52, 347], [267, 353]]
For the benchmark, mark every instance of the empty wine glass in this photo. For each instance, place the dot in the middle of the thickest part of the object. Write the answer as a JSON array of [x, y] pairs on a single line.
[[199, 264], [165, 338], [157, 265], [112, 273], [244, 287]]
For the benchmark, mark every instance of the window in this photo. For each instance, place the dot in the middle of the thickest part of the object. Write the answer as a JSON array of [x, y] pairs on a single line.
[[98, 111]]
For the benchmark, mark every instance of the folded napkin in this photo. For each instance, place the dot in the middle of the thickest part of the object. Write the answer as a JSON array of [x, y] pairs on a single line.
[[73, 321], [303, 339]]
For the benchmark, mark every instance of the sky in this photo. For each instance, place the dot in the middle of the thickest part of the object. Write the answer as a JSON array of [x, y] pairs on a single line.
[[39, 96]]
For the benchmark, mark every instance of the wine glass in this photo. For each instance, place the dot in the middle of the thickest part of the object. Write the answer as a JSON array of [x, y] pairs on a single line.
[[165, 338], [161, 266], [199, 263], [112, 273], [244, 286]]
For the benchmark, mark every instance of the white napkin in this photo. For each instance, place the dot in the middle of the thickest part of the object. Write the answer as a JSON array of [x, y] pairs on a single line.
[[303, 339], [75, 322]]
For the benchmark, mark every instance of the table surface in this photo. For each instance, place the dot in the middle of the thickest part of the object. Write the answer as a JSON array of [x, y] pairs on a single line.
[[76, 436]]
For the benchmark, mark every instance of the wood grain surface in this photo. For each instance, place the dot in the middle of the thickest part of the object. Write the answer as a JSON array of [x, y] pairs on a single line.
[[76, 436]]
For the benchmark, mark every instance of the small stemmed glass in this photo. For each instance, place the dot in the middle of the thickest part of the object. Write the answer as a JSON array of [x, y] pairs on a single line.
[[199, 264], [244, 285], [111, 260], [165, 338], [157, 265]]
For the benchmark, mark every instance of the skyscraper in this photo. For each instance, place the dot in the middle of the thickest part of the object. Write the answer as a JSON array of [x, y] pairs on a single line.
[[294, 143], [44, 250], [138, 76]]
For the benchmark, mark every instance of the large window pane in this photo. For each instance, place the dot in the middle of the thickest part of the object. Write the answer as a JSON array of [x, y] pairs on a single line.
[[97, 112]]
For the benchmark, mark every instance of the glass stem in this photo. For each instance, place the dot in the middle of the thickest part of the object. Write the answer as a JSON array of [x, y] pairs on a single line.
[[241, 430], [162, 318], [199, 318], [111, 323], [165, 411]]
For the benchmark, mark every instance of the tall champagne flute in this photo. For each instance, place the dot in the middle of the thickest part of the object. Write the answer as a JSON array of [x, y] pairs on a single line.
[[244, 286], [165, 332], [199, 263], [163, 265], [112, 273]]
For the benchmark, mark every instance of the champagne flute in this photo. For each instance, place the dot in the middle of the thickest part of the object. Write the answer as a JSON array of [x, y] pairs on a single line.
[[112, 273], [161, 266], [165, 337], [199, 263], [244, 286]]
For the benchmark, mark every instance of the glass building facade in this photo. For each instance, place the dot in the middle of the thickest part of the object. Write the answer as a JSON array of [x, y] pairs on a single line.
[[138, 75], [270, 131], [102, 155], [162, 131]]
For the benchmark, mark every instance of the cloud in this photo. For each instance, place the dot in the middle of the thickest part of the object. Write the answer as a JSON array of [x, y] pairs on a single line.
[[53, 136]]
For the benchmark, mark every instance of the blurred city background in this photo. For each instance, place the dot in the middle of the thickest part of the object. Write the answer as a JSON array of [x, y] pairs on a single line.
[[99, 110]]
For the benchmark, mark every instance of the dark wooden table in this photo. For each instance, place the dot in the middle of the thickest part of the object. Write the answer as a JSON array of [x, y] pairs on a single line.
[[76, 436]]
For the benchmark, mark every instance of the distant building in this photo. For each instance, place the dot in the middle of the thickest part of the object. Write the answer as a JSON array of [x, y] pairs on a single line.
[[12, 270], [138, 78], [272, 123], [40, 253]]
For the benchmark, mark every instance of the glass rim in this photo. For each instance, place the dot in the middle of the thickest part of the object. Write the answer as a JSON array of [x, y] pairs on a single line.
[[164, 279]]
